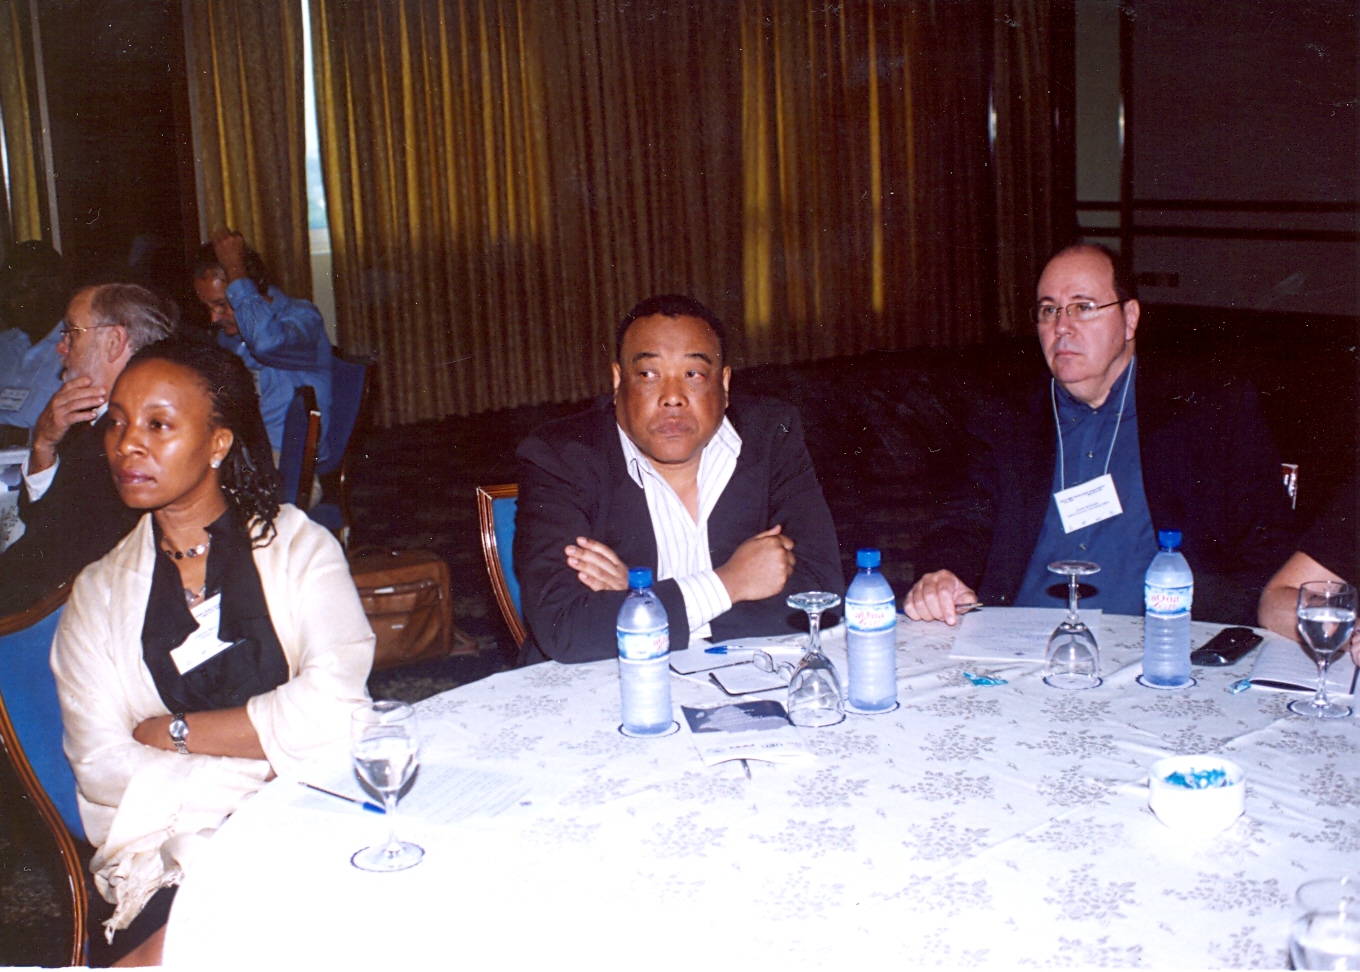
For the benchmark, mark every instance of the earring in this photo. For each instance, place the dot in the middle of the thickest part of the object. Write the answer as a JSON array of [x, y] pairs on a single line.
[[216, 463]]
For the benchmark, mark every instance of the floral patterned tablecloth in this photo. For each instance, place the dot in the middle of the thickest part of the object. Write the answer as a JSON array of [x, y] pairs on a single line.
[[990, 826]]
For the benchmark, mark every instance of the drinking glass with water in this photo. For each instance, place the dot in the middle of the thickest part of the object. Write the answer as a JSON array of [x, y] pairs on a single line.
[[385, 745], [1326, 620]]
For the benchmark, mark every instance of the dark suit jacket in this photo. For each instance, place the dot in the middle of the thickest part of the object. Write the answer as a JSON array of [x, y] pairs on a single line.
[[78, 520], [1210, 470], [573, 482]]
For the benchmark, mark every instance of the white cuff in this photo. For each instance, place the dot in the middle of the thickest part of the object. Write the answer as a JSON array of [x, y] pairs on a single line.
[[38, 483], [705, 598]]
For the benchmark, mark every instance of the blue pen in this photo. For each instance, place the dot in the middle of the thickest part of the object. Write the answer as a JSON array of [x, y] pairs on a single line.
[[366, 804], [725, 649]]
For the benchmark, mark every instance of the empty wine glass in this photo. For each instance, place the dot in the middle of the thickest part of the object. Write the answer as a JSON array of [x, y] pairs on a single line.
[[814, 690], [1327, 933], [385, 746], [1326, 620], [1072, 660]]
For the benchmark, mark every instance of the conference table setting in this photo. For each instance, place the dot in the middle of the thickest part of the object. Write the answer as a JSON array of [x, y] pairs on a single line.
[[990, 817]]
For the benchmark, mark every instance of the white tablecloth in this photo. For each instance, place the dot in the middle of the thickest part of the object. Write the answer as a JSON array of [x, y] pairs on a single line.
[[1003, 825]]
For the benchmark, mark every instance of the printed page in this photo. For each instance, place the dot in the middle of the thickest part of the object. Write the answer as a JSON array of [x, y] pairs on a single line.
[[744, 730], [1012, 634], [1286, 666]]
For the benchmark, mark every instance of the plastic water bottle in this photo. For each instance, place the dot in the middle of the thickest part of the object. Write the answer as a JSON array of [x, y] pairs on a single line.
[[871, 636], [1168, 589], [644, 658]]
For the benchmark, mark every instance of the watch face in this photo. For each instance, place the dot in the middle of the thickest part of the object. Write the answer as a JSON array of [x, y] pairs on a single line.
[[179, 729]]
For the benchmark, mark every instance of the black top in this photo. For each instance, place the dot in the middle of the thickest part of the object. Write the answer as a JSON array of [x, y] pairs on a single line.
[[1335, 536], [79, 519], [253, 665], [573, 482]]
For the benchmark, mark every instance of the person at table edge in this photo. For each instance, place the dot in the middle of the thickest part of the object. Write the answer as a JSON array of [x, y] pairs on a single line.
[[717, 495], [1185, 451], [1329, 551]]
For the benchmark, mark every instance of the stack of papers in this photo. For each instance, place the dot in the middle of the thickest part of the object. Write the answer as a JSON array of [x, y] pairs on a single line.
[[745, 730], [1285, 666], [1013, 634]]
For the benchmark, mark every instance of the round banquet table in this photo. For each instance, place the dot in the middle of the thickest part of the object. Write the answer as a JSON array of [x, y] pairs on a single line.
[[976, 825]]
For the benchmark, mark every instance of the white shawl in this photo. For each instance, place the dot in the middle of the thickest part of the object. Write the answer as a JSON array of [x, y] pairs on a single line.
[[144, 809]]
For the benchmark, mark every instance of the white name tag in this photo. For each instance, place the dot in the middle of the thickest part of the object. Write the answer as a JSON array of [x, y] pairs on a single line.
[[12, 399], [203, 643], [1087, 503]]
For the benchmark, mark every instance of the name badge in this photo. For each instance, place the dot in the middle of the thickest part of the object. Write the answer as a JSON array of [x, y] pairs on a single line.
[[203, 644], [1087, 503], [12, 399]]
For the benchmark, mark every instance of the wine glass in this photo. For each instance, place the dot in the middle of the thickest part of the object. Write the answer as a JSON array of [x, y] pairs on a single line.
[[1326, 620], [1072, 660], [385, 746], [814, 690], [1327, 935]]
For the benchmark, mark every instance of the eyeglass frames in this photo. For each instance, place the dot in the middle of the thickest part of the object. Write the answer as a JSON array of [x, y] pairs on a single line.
[[1080, 311], [67, 327]]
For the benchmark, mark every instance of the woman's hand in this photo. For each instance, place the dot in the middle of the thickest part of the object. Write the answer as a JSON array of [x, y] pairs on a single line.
[[221, 732]]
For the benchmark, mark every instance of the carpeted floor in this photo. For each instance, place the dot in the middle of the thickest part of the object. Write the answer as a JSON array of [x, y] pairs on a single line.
[[886, 442]]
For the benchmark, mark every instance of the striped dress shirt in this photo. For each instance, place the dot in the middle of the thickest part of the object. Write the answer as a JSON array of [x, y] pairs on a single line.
[[682, 550]]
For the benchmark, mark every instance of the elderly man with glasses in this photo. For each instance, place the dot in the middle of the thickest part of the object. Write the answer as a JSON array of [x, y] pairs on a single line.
[[72, 514], [1091, 462]]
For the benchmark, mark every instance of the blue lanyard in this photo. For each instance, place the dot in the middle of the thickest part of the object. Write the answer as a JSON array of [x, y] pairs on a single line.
[[1123, 399]]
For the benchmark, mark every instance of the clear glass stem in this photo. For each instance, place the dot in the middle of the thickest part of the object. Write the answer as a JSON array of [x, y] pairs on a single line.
[[815, 632], [1072, 616], [1320, 698], [393, 846]]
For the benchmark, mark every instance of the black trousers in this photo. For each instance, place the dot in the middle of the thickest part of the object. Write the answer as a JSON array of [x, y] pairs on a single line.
[[152, 918]]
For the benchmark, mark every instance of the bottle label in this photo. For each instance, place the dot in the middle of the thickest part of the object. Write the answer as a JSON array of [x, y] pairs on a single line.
[[1168, 601], [644, 645], [870, 616]]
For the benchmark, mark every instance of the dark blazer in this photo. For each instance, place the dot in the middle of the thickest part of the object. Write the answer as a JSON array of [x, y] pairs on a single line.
[[573, 482], [78, 520], [1210, 470]]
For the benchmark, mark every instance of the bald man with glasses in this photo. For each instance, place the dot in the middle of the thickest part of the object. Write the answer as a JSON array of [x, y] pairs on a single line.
[[1094, 460]]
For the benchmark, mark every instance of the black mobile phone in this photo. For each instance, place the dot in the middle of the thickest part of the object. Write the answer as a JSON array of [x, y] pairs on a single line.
[[1226, 647]]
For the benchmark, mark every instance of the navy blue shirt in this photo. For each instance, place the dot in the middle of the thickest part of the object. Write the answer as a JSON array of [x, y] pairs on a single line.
[[1123, 545]]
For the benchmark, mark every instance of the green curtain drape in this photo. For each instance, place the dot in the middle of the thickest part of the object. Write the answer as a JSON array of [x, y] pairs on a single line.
[[505, 178], [246, 88], [23, 209], [1024, 155]]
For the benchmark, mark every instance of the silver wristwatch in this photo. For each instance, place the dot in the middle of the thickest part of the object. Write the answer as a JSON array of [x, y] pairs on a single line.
[[179, 734]]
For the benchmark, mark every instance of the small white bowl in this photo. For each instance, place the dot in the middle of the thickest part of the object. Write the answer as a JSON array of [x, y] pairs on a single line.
[[1205, 811]]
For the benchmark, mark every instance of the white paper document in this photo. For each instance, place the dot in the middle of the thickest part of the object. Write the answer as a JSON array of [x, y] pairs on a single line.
[[1284, 666], [745, 730], [1013, 634], [441, 794], [745, 679]]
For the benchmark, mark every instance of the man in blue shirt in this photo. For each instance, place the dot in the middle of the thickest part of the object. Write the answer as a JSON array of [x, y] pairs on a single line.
[[1108, 450], [281, 339], [32, 291]]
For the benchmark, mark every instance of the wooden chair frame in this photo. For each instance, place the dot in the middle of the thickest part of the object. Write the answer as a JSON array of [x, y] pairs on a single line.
[[9, 741], [491, 551], [303, 499]]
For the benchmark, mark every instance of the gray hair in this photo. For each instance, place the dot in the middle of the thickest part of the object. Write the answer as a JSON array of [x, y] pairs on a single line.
[[146, 317]]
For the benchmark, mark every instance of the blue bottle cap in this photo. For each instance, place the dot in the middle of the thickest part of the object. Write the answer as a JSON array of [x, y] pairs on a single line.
[[639, 578], [868, 557], [1169, 539]]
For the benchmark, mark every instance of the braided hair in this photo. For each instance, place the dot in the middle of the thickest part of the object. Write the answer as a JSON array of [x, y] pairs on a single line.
[[247, 475]]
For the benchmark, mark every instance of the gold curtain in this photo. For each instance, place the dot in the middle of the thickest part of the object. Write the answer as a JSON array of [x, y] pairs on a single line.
[[25, 204], [246, 84], [1024, 155], [505, 178], [864, 170]]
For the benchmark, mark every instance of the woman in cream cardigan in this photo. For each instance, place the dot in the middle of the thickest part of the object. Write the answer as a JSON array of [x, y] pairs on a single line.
[[221, 643]]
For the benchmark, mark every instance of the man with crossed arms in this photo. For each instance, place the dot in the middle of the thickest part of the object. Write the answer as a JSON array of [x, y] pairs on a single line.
[[715, 495]]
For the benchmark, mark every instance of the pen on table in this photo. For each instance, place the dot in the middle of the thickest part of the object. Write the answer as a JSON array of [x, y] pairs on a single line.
[[366, 804], [747, 767], [970, 606], [726, 649], [1354, 675]]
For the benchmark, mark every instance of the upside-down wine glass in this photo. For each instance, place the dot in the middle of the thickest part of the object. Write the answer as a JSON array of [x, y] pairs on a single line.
[[1327, 933], [814, 690], [1072, 660], [1326, 620], [386, 745]]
